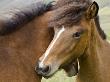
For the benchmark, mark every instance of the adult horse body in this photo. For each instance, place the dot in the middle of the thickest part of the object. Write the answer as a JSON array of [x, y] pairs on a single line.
[[76, 36], [23, 38]]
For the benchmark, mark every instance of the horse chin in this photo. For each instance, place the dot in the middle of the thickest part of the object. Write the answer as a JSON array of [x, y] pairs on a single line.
[[71, 69], [49, 76], [51, 73]]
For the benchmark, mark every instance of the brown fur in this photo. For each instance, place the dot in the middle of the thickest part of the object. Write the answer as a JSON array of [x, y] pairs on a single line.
[[94, 63], [20, 50], [20, 17]]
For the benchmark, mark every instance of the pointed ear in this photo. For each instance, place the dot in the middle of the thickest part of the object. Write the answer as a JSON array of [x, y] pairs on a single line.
[[92, 10]]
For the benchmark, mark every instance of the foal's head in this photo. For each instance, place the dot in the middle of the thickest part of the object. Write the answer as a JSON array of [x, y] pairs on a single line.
[[72, 34]]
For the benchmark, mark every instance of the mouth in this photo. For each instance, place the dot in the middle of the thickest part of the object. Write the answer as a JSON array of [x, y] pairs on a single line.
[[51, 75]]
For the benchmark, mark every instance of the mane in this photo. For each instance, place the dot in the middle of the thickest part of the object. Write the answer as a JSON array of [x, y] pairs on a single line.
[[18, 13], [100, 31], [61, 3], [71, 12]]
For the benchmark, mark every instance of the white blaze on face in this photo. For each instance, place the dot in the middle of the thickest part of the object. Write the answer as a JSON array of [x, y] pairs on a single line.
[[51, 45]]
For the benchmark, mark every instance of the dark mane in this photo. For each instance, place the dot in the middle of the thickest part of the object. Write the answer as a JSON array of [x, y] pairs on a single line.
[[101, 32], [69, 12], [61, 3], [18, 13]]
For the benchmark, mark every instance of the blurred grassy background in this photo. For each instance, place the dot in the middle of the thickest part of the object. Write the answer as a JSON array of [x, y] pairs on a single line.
[[59, 77], [104, 14]]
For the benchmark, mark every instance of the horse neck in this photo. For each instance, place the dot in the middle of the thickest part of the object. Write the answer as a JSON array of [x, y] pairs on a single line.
[[33, 37], [20, 50], [91, 63]]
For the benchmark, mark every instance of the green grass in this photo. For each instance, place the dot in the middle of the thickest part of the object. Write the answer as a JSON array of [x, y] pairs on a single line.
[[108, 36], [60, 77]]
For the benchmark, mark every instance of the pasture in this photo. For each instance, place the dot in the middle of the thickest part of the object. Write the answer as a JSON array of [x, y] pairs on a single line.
[[104, 14]]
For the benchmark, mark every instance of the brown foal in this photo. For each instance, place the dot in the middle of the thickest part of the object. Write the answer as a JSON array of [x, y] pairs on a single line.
[[77, 37]]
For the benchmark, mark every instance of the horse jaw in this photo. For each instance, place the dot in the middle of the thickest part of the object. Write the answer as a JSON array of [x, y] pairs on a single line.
[[72, 69]]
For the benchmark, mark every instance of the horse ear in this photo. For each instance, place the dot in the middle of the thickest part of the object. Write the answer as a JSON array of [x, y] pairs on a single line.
[[92, 10]]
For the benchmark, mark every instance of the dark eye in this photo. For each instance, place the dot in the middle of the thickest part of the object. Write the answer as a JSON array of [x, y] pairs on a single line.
[[77, 35]]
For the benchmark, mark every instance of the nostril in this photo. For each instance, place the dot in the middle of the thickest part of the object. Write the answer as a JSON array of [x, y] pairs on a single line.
[[42, 70], [46, 69]]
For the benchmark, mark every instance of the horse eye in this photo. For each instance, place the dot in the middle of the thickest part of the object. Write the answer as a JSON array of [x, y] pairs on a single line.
[[77, 35]]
